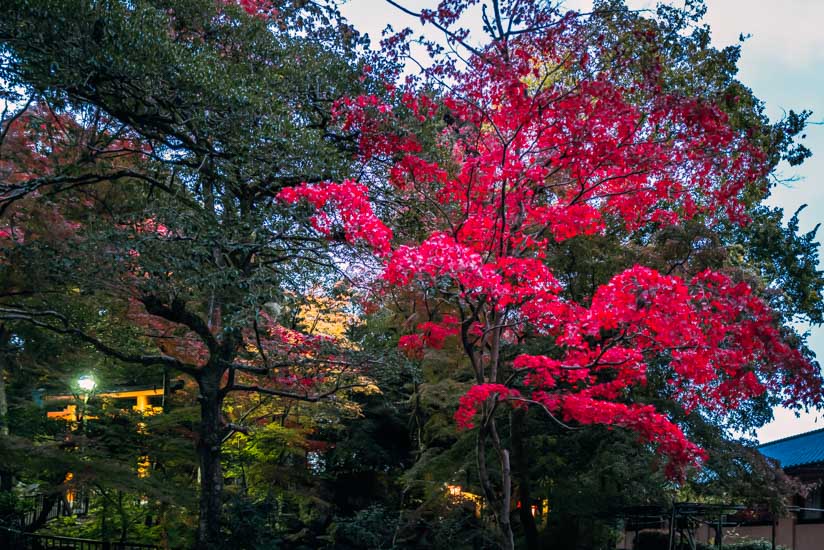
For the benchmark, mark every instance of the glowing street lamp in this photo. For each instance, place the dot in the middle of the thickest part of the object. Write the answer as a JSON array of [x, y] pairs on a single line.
[[86, 383]]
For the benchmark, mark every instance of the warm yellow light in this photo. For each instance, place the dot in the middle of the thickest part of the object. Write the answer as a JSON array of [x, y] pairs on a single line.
[[454, 490], [69, 492], [143, 466]]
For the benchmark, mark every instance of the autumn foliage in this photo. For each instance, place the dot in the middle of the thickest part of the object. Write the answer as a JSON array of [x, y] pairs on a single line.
[[542, 145], [188, 185]]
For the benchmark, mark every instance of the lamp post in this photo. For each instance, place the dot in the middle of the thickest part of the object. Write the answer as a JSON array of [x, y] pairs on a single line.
[[87, 383]]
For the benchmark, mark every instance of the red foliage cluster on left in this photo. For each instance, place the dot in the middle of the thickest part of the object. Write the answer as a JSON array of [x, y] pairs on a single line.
[[40, 145]]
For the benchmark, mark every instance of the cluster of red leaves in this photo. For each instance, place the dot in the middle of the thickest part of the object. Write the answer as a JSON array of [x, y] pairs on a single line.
[[41, 144], [347, 201], [429, 335], [259, 8], [477, 395], [719, 340]]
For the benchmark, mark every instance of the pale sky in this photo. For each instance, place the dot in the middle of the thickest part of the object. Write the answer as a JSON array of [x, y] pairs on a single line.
[[783, 63]]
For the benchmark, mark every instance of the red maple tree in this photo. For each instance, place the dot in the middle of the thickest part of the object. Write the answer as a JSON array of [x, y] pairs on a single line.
[[543, 142]]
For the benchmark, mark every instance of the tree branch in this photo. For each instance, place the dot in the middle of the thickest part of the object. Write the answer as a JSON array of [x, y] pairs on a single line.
[[176, 312], [311, 398], [7, 123], [38, 319], [438, 26], [13, 193]]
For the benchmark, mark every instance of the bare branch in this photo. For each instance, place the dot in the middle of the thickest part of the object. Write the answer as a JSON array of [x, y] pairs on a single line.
[[552, 416], [438, 26]]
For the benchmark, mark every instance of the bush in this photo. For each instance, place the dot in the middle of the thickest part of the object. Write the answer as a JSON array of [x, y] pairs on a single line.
[[751, 545], [371, 528], [248, 526], [12, 507]]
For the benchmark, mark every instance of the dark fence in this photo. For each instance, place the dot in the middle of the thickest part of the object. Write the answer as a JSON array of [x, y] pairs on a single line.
[[77, 505], [30, 541]]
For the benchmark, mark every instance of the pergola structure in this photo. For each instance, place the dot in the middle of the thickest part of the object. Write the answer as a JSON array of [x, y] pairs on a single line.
[[681, 520]]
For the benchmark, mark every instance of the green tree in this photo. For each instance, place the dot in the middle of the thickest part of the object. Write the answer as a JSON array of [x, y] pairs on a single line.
[[187, 119]]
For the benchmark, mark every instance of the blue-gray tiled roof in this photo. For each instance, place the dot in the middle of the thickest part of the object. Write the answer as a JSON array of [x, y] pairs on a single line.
[[798, 450]]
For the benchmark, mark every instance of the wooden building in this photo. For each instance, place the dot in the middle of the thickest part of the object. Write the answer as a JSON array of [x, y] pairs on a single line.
[[800, 456]]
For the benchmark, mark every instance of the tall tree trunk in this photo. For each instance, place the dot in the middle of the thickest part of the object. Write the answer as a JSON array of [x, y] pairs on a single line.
[[521, 470], [6, 478], [4, 358], [124, 517], [209, 455], [4, 405]]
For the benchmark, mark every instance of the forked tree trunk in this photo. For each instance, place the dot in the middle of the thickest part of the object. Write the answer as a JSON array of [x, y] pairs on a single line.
[[504, 519], [499, 502]]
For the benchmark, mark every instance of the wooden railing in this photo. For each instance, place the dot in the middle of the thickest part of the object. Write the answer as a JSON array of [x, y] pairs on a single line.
[[32, 541], [77, 505]]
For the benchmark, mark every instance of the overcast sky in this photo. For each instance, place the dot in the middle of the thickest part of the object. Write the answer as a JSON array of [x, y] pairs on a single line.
[[783, 63]]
